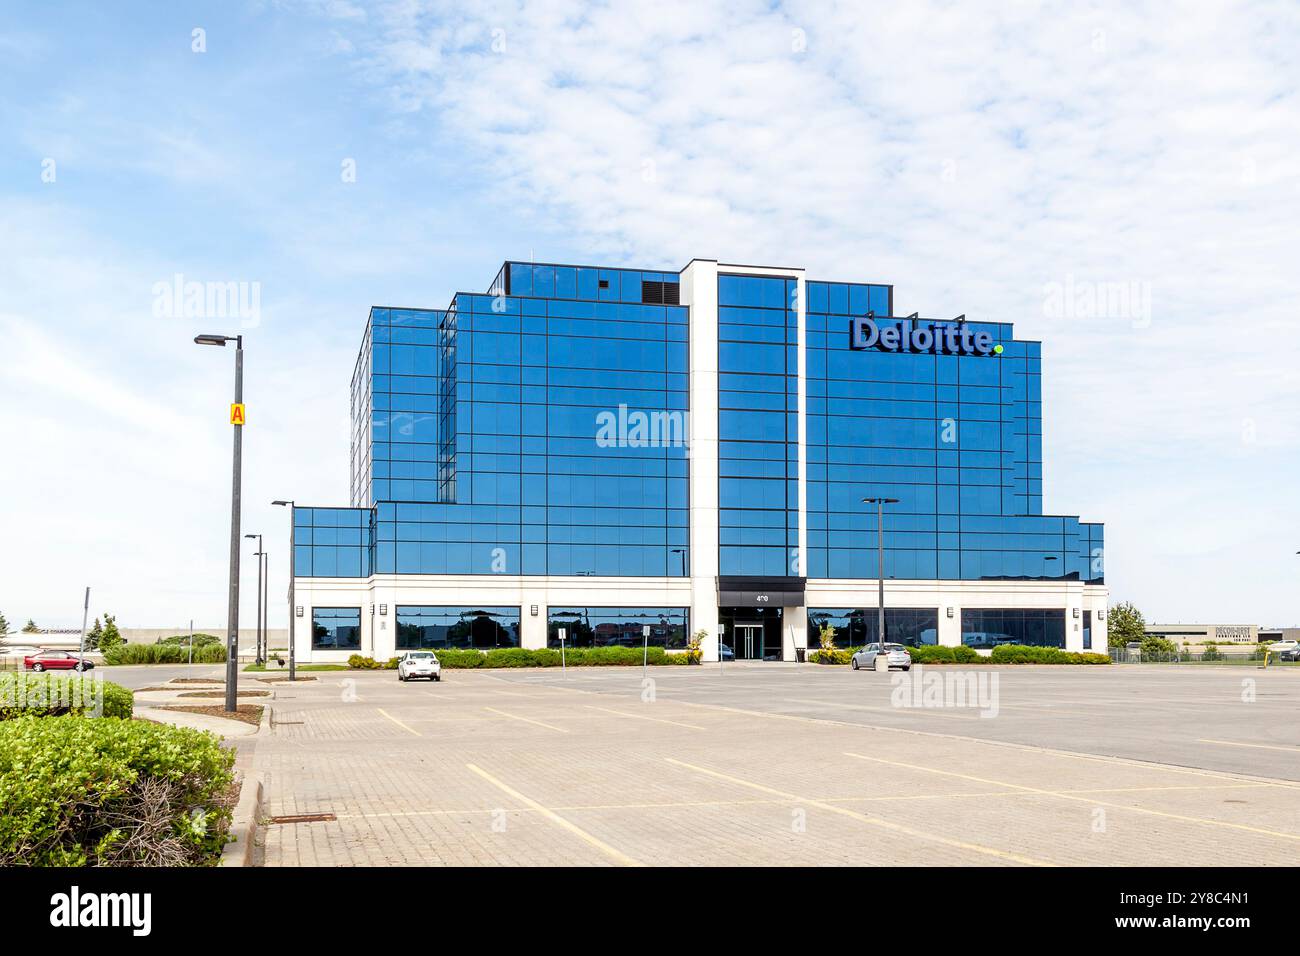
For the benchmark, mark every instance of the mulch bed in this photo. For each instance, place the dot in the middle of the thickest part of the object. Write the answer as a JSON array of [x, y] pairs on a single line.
[[248, 713], [198, 680], [222, 693], [283, 680]]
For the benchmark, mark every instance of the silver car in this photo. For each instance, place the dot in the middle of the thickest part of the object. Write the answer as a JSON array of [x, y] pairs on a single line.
[[896, 654], [415, 664]]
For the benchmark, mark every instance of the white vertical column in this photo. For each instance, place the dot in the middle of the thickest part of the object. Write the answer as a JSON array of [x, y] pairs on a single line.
[[699, 291], [802, 321]]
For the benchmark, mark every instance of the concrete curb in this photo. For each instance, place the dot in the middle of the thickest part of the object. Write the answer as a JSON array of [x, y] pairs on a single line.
[[243, 823]]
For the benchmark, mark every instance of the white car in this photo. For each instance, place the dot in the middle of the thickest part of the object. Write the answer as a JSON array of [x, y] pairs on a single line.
[[414, 664], [896, 654]]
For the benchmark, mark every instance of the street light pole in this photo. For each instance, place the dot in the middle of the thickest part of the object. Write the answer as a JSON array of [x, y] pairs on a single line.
[[257, 653], [293, 570], [85, 616], [881, 656], [232, 612], [266, 609]]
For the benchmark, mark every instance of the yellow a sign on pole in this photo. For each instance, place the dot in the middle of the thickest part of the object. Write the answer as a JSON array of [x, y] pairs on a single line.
[[236, 414]]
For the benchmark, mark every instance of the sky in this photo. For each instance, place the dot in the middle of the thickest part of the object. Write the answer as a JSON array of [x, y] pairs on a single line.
[[1120, 180]]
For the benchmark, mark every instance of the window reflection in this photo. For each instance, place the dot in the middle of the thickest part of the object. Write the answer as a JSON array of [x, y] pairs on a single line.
[[457, 627], [618, 626]]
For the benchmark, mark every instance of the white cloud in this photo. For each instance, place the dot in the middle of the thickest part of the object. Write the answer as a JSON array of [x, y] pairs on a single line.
[[972, 156]]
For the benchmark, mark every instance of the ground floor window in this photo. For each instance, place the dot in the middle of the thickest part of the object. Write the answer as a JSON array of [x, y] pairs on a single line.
[[856, 626], [464, 627], [618, 626], [336, 628], [984, 628]]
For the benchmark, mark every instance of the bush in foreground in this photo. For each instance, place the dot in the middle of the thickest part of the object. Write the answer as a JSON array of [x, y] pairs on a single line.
[[51, 695], [111, 792]]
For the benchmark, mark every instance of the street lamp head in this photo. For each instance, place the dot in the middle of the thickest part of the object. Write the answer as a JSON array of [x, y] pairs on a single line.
[[280, 502], [881, 501], [208, 339]]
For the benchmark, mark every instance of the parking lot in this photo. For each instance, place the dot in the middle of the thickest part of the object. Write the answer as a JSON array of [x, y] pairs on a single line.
[[771, 764]]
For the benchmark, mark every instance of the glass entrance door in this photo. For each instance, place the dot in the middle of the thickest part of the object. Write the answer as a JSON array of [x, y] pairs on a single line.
[[749, 642]]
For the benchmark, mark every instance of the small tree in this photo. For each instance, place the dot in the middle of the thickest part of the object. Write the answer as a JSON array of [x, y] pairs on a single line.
[[30, 627], [827, 637], [4, 625], [111, 637], [1156, 648], [695, 646], [1124, 625], [94, 636]]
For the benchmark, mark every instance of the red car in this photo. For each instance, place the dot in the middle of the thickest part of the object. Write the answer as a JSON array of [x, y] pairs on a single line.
[[56, 661]]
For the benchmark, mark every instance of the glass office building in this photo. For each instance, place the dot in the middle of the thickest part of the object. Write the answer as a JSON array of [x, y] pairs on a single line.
[[622, 452]]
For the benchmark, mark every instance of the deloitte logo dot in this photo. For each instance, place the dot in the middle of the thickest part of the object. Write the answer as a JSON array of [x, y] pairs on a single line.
[[997, 350]]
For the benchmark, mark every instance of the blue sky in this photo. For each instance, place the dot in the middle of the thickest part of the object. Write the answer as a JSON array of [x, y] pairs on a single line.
[[1132, 162]]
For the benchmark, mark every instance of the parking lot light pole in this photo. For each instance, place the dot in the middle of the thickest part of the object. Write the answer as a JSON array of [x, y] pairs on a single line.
[[882, 658], [257, 655], [232, 612], [293, 566]]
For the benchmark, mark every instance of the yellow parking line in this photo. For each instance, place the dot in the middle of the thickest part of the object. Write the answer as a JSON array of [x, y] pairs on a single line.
[[527, 720], [862, 817], [1081, 799], [657, 720], [398, 722], [555, 818], [1238, 743]]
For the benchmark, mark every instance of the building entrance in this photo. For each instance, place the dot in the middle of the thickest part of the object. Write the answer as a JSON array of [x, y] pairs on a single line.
[[752, 634]]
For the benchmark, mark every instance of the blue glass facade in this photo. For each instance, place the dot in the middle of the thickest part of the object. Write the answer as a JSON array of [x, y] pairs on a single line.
[[537, 429], [956, 438], [758, 426]]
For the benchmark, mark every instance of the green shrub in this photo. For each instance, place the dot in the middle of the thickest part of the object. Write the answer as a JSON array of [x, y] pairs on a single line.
[[163, 654], [200, 640], [1024, 654], [50, 695], [1211, 653], [502, 657], [111, 792]]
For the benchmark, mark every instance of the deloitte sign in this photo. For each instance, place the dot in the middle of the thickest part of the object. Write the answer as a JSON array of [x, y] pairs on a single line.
[[907, 335]]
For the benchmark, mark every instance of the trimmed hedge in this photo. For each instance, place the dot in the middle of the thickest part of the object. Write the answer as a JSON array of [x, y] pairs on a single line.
[[111, 792], [942, 654], [961, 654], [922, 654], [461, 658], [1023, 654], [164, 654], [200, 640], [52, 695]]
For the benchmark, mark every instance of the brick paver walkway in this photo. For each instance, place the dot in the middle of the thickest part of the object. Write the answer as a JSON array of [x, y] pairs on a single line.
[[523, 769]]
